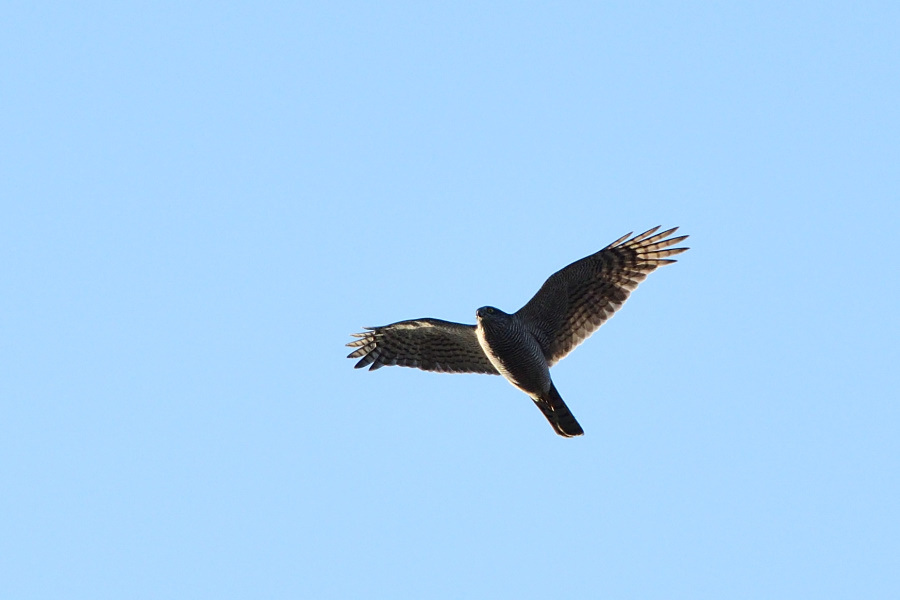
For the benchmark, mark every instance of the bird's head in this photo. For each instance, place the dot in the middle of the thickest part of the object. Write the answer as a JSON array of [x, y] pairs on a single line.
[[489, 312]]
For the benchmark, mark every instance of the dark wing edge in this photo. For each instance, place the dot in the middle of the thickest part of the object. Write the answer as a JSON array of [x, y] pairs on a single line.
[[427, 344], [576, 300]]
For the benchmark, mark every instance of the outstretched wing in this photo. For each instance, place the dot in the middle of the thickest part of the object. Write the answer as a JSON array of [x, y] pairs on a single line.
[[428, 344], [578, 299]]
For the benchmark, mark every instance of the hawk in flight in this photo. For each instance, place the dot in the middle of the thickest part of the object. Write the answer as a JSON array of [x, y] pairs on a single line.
[[522, 346]]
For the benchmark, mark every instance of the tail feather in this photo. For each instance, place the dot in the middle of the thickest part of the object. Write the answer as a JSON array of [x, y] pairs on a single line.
[[559, 415]]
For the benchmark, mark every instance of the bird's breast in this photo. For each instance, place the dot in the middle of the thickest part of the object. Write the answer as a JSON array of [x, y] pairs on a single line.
[[516, 354]]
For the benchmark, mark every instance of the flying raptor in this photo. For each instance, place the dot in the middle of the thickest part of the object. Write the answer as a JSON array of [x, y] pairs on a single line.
[[522, 346]]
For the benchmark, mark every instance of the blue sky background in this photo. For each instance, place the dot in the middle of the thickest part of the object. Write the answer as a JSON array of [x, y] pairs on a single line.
[[202, 201]]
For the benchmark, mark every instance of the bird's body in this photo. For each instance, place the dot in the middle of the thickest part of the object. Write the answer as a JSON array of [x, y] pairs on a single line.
[[522, 346], [513, 350]]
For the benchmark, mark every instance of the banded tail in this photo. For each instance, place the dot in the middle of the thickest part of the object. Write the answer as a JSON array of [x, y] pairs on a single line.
[[559, 415]]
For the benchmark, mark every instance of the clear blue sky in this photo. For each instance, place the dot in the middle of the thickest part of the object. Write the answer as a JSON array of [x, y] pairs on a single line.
[[202, 201]]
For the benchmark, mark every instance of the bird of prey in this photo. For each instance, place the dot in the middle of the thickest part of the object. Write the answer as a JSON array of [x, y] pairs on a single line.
[[522, 346]]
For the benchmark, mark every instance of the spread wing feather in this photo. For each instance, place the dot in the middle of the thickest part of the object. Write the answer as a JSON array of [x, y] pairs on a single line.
[[428, 344], [578, 299]]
